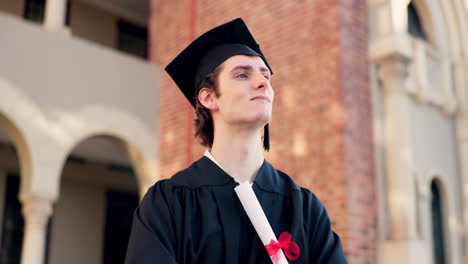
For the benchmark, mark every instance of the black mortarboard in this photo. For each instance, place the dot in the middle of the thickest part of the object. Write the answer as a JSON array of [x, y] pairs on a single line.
[[209, 51]]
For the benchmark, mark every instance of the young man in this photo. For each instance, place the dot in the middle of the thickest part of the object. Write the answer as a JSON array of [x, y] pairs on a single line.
[[196, 216]]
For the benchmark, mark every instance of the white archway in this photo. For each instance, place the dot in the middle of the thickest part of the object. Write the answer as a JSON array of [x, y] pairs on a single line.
[[140, 145], [28, 128], [24, 123], [45, 140]]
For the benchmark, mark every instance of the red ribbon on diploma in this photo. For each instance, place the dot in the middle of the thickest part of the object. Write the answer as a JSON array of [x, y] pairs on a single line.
[[290, 248]]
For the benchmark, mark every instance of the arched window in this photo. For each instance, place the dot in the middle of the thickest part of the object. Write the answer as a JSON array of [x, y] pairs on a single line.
[[437, 224], [415, 27]]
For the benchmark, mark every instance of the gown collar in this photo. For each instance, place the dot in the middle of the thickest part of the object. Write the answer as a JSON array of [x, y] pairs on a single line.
[[210, 156], [267, 179]]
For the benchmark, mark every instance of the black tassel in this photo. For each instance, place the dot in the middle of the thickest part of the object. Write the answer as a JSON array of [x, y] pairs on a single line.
[[266, 138]]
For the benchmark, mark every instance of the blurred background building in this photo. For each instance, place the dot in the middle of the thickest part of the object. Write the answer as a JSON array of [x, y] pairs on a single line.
[[370, 114]]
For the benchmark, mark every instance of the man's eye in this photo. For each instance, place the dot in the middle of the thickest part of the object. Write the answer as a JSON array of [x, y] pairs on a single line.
[[267, 77], [242, 75]]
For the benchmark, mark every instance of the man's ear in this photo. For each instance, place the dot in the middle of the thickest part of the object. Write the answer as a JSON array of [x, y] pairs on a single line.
[[208, 98]]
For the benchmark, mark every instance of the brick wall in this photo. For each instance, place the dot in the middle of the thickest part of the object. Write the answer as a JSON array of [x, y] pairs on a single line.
[[357, 134], [169, 28], [321, 129]]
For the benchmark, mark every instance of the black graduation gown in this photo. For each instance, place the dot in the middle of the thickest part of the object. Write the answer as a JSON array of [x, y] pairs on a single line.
[[196, 217]]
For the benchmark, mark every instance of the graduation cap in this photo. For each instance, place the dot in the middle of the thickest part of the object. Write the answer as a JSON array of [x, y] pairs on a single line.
[[207, 52]]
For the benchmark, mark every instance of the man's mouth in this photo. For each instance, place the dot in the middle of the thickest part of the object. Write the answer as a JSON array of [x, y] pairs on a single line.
[[260, 98]]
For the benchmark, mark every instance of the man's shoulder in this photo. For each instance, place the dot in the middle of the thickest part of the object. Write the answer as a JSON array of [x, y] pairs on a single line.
[[201, 173], [186, 176], [275, 180], [291, 186]]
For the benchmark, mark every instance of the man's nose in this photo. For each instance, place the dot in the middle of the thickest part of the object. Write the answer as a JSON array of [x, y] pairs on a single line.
[[260, 81]]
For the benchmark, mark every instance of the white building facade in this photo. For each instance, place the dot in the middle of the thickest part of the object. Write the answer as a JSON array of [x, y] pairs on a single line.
[[418, 52], [78, 122]]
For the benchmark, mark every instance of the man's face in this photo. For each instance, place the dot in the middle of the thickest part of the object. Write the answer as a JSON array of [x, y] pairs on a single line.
[[246, 95]]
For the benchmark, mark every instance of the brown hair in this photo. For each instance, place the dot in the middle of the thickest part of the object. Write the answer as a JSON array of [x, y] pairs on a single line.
[[204, 128]]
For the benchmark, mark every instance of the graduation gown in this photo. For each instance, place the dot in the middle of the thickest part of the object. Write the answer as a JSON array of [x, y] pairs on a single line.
[[196, 217]]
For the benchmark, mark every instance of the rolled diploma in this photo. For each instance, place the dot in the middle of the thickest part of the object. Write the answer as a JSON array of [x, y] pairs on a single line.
[[257, 217]]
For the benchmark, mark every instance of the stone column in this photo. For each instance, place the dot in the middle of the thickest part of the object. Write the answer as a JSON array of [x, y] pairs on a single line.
[[403, 246], [55, 13], [462, 131], [393, 73], [36, 212]]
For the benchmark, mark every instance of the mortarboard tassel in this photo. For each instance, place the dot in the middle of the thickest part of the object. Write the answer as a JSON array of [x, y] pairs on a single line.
[[266, 138]]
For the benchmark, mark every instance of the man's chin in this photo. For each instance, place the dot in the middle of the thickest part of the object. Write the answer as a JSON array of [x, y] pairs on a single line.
[[261, 123], [258, 124], [253, 121]]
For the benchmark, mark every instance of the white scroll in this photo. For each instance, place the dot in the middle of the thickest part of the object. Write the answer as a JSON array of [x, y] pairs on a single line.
[[257, 217]]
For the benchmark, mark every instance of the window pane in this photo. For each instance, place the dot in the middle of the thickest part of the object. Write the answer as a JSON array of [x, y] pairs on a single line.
[[437, 225], [414, 23], [34, 10], [132, 39]]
